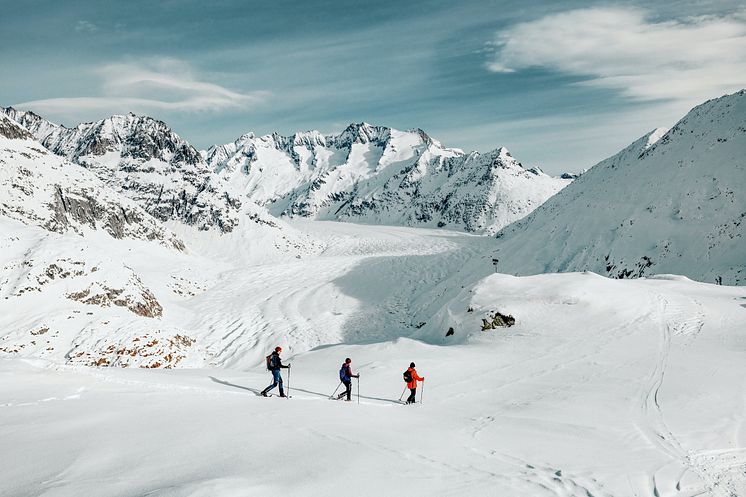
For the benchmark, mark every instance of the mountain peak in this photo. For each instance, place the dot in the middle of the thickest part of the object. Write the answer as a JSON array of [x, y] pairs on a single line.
[[12, 130], [363, 133], [132, 135]]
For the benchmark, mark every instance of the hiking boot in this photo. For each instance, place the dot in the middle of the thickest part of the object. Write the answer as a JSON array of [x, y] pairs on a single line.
[[282, 394], [264, 393]]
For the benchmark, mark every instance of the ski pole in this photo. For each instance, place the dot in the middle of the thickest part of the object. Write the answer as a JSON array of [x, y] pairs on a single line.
[[358, 389], [402, 393], [422, 393], [335, 391], [288, 382]]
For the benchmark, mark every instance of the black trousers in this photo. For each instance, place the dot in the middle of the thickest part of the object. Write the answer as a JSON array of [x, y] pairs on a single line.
[[412, 396], [348, 391]]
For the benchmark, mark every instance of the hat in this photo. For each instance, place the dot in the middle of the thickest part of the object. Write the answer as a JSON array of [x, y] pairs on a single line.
[[348, 360], [278, 349], [411, 364]]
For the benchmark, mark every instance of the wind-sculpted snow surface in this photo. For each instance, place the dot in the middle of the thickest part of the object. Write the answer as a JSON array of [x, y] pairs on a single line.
[[669, 203], [379, 175]]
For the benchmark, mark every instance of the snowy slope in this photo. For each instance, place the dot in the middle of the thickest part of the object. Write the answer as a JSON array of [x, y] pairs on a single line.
[[668, 203], [379, 175], [230, 306], [603, 388], [42, 189]]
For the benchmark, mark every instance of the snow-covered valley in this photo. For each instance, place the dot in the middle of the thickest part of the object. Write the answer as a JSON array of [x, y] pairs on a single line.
[[603, 387]]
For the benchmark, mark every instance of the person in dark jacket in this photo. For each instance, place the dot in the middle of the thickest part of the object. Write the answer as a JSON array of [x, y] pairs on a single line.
[[274, 364], [412, 385], [346, 376]]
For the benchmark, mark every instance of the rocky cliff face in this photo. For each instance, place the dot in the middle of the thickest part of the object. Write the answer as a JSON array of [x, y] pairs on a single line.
[[42, 189], [143, 159]]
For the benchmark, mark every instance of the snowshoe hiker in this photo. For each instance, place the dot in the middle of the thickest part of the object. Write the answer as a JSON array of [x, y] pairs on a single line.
[[346, 376], [411, 377], [274, 364]]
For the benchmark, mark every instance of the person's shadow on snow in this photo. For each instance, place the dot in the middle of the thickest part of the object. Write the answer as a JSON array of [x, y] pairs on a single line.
[[259, 393], [223, 382]]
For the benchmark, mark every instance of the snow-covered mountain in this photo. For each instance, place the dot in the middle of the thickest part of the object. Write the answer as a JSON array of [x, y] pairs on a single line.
[[142, 159], [145, 160], [368, 174], [102, 279], [379, 175], [43, 189], [671, 202]]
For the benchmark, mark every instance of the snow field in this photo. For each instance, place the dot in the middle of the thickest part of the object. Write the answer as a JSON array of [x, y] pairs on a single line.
[[603, 387]]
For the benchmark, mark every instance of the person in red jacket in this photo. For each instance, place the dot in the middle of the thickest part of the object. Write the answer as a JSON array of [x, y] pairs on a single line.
[[412, 385]]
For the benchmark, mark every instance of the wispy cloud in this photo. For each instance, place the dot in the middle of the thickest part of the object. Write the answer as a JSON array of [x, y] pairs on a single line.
[[84, 26], [623, 49], [145, 87]]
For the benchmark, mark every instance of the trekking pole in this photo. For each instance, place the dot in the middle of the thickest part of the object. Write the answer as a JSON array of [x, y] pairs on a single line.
[[289, 368], [358, 390], [422, 393], [402, 393], [335, 391]]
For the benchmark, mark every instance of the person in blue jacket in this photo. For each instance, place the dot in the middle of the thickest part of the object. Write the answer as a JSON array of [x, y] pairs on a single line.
[[274, 364], [346, 376]]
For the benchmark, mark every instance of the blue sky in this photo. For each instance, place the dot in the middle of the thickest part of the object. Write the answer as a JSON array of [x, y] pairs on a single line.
[[561, 84]]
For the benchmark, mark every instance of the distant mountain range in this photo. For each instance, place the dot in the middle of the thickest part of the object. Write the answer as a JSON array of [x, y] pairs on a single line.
[[367, 174], [670, 202], [379, 175]]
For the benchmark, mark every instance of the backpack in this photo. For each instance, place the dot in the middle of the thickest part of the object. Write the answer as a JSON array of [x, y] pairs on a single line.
[[269, 362], [343, 374], [408, 376]]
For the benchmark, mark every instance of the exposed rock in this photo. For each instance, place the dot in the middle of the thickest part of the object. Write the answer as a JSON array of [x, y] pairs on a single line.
[[497, 320], [142, 351], [143, 159], [134, 297], [42, 189], [12, 130]]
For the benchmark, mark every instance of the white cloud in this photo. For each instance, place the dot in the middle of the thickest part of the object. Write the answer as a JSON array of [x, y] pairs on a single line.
[[84, 26], [623, 49], [146, 87]]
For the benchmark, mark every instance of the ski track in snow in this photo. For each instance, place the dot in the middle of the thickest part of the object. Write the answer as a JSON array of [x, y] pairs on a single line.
[[681, 317]]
